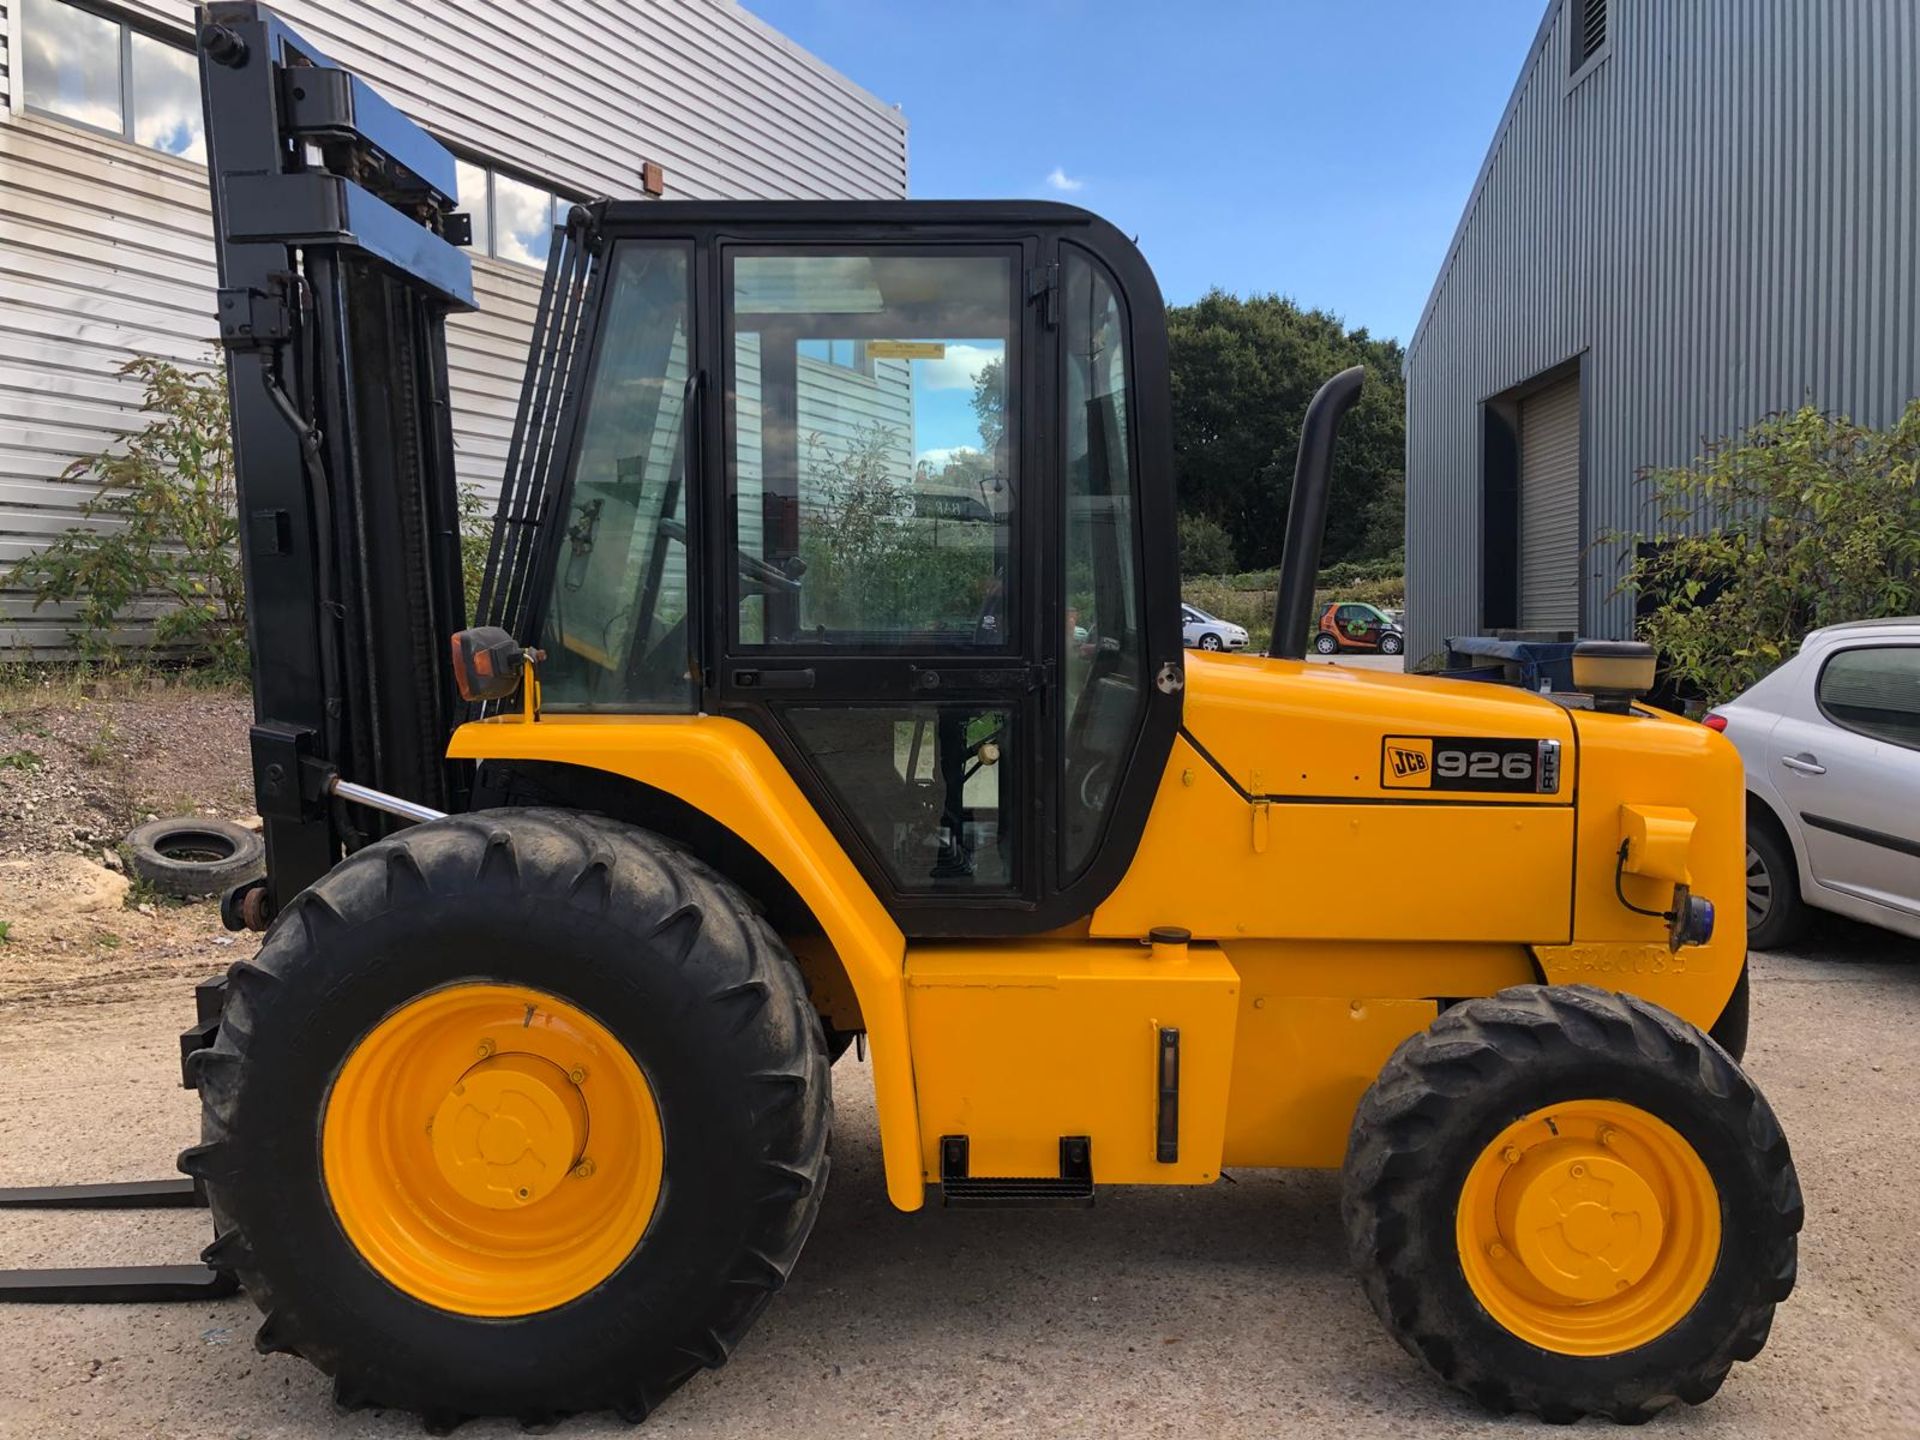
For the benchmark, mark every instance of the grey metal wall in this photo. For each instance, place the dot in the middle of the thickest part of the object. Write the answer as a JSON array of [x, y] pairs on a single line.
[[106, 247], [1721, 219]]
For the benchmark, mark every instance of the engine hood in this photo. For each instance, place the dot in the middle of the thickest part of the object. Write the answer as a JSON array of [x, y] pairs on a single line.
[[1291, 729]]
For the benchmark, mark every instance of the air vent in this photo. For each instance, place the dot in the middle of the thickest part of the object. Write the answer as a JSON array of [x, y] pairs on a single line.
[[1589, 32]]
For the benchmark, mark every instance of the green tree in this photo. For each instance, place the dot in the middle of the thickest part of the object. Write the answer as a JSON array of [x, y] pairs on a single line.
[[1814, 520], [1205, 547], [990, 403], [161, 529], [1243, 372]]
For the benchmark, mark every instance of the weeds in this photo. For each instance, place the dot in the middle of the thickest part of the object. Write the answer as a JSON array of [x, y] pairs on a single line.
[[19, 760]]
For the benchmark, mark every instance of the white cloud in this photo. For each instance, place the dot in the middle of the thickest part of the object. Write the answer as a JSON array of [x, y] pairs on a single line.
[[957, 369], [1058, 179]]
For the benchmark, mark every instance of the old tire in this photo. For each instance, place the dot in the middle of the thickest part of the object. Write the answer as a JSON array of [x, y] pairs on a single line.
[[193, 855], [1710, 1209], [612, 925]]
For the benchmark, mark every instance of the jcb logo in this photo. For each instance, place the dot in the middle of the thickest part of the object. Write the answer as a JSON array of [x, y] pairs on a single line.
[[1409, 764]]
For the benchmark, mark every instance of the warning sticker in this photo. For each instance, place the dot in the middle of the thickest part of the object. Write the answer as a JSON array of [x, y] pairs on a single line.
[[907, 349]]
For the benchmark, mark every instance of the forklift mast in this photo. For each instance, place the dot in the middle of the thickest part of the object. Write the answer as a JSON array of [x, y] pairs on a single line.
[[337, 239]]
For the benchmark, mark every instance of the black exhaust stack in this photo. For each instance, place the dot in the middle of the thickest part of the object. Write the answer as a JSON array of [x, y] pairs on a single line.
[[1307, 513]]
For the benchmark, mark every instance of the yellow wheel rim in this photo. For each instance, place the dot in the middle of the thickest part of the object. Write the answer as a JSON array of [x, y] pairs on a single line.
[[492, 1150], [1589, 1228]]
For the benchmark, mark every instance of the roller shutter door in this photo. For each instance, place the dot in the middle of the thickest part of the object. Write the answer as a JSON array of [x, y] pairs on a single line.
[[1550, 508]]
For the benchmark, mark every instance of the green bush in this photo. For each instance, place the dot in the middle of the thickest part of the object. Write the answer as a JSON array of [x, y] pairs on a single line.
[[162, 528], [1817, 520]]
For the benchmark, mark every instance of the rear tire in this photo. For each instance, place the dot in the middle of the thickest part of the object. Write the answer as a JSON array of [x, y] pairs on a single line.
[[1776, 915], [651, 945], [1325, 644], [1450, 1097]]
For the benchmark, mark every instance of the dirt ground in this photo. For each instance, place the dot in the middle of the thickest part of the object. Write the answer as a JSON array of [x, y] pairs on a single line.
[[1225, 1311]]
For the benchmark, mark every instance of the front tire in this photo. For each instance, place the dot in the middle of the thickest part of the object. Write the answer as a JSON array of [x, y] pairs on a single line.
[[1210, 641], [682, 1006], [1390, 644], [1571, 1203]]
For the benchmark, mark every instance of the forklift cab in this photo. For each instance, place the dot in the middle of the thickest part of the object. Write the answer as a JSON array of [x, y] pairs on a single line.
[[892, 485]]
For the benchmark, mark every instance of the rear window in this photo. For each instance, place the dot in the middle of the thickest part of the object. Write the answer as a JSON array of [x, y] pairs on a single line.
[[1874, 690]]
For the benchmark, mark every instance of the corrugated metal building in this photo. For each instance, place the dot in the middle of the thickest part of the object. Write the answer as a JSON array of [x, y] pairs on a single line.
[[105, 236], [1694, 213]]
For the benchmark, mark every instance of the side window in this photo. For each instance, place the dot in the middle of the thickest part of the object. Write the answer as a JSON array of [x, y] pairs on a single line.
[[617, 630], [872, 435], [1876, 691], [1104, 642]]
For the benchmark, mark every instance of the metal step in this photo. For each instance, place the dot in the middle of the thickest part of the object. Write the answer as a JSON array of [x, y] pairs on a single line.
[[1072, 1187]]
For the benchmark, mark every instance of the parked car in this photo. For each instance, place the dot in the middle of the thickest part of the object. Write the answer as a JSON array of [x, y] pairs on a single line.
[[1353, 625], [1831, 742], [1201, 631]]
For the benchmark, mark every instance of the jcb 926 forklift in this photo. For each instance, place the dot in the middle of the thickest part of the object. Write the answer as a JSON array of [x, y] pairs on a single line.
[[790, 719]]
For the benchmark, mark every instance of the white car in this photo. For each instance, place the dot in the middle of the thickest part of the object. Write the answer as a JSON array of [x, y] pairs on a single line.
[[1831, 742], [1201, 631]]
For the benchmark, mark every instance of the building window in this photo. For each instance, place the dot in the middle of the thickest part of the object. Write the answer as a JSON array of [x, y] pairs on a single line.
[[97, 71], [513, 219], [1589, 31], [844, 354]]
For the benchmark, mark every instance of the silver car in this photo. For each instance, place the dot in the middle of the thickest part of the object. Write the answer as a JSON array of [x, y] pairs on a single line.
[[1201, 631], [1831, 742]]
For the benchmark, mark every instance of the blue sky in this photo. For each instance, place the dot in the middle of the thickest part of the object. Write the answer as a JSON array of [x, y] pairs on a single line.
[[1322, 150]]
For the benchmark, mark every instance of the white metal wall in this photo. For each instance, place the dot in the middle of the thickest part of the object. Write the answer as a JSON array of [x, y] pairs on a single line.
[[106, 248], [1721, 218]]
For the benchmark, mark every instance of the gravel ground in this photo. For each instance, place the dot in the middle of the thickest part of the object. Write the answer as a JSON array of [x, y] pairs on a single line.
[[81, 763], [1224, 1311]]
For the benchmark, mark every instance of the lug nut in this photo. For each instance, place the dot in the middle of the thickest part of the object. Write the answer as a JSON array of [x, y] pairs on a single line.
[[578, 1075], [1497, 1251], [486, 1048], [584, 1170], [1607, 1136], [1510, 1155], [1577, 1170]]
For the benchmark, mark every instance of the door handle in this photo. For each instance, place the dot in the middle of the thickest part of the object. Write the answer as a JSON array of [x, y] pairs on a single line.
[[795, 679], [1803, 765]]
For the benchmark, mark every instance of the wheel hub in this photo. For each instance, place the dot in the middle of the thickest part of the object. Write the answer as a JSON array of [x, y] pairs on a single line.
[[509, 1131], [1584, 1224], [1588, 1227]]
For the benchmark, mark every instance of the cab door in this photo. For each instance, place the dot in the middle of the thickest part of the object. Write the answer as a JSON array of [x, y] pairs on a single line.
[[928, 557], [879, 517]]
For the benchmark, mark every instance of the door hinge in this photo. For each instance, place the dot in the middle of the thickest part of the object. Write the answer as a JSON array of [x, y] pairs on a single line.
[[1043, 284]]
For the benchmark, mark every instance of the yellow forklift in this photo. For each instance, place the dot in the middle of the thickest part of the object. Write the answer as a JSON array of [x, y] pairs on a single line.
[[826, 688]]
